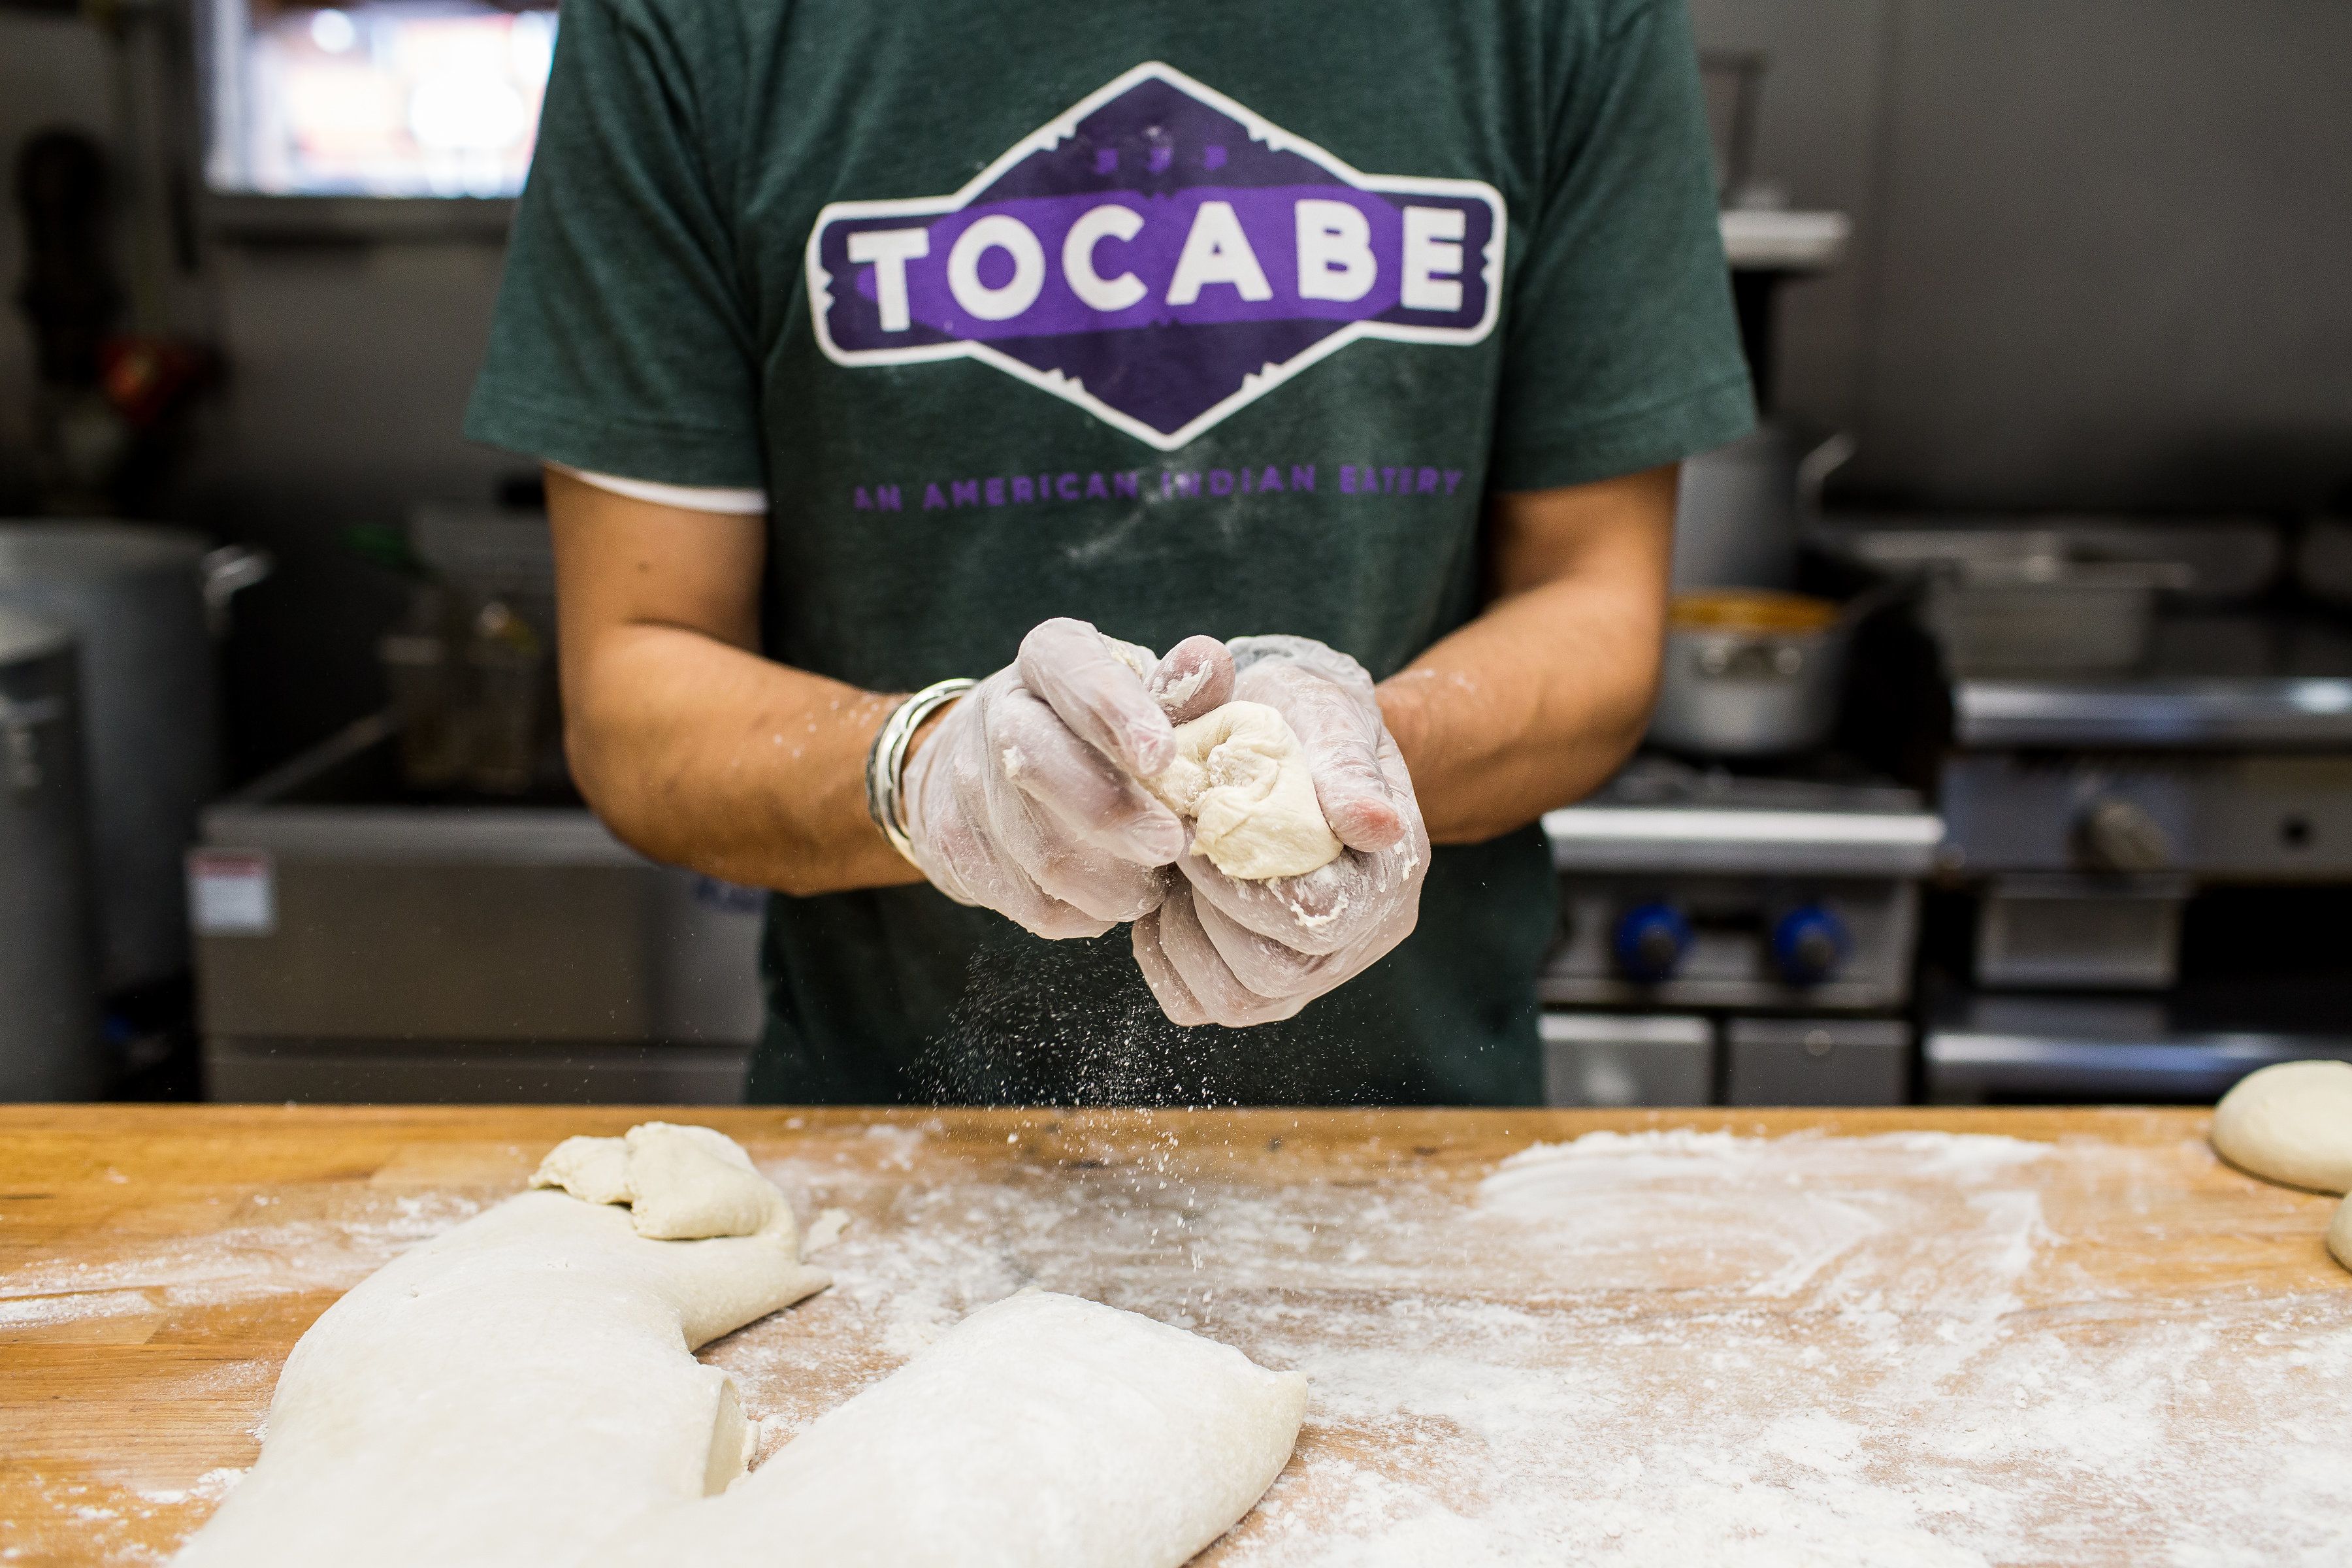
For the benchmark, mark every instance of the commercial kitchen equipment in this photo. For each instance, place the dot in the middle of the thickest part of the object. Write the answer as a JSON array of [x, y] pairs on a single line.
[[471, 666], [1770, 246], [1626, 1058], [1750, 673], [2060, 596], [1733, 936], [144, 605], [356, 941], [2144, 843], [1743, 507], [49, 1047], [1985, 1046], [2087, 816], [1739, 513], [1817, 1061]]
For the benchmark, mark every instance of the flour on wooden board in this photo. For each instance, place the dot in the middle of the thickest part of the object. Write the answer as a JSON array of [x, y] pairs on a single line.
[[1493, 1381], [1646, 1348]]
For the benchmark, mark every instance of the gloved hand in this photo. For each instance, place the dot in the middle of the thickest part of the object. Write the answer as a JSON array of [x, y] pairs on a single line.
[[1023, 798], [1218, 950]]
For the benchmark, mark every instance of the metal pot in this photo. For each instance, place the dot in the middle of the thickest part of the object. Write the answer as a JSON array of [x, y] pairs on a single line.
[[49, 1045], [145, 603], [1741, 508], [1751, 674]]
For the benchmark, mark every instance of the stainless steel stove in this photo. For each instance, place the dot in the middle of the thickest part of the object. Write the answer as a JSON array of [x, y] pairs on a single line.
[[2092, 811], [1734, 937], [2090, 817], [2145, 769]]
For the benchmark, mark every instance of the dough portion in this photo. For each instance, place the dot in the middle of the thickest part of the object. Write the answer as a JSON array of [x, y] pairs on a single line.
[[681, 1183], [1241, 775], [2292, 1124], [509, 1393], [593, 1169], [2339, 1234], [1043, 1431]]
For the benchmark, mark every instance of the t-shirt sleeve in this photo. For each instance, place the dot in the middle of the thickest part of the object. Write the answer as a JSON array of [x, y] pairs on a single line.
[[621, 342], [1622, 349]]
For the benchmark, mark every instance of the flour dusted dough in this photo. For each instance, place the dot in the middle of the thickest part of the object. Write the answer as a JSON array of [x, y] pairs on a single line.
[[1241, 775], [522, 1392], [516, 1390], [593, 1169], [1042, 1432], [2291, 1124], [678, 1181]]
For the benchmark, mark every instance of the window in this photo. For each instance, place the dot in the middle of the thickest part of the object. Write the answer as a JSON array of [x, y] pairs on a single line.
[[403, 98]]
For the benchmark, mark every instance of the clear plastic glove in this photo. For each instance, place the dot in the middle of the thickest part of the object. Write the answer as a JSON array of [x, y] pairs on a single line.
[[1219, 950], [1023, 799]]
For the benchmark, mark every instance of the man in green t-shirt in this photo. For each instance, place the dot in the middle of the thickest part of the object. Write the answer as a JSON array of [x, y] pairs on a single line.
[[1335, 357]]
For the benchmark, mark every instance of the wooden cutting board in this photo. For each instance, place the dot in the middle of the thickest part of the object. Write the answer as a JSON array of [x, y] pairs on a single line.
[[1940, 1336]]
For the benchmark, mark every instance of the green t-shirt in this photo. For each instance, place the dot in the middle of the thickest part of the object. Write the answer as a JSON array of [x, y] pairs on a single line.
[[1176, 317]]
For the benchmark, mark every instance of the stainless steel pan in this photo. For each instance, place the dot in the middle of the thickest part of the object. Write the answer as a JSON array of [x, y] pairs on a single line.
[[2062, 600], [1751, 674]]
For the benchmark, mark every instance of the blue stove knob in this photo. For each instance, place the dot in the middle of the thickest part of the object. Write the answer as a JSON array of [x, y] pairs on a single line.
[[1651, 941], [1810, 944]]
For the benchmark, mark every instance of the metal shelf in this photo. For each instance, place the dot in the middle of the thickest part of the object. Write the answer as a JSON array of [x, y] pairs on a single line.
[[1965, 1065], [1772, 239], [2162, 714], [1741, 841]]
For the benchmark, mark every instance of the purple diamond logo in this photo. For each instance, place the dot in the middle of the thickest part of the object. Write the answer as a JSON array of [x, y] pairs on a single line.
[[1158, 256]]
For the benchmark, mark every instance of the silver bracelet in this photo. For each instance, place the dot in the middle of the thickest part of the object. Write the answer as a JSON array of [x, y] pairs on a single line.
[[887, 756]]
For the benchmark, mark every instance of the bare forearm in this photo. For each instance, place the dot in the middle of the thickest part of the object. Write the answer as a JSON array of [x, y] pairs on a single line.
[[1528, 708], [1537, 701], [701, 754], [691, 747]]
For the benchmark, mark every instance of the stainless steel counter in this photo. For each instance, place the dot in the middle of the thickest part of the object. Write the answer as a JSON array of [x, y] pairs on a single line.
[[2039, 1048], [348, 949]]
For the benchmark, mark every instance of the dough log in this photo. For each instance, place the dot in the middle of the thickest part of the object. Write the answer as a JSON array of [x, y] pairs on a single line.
[[506, 1395], [1241, 775], [2291, 1124], [1043, 1431]]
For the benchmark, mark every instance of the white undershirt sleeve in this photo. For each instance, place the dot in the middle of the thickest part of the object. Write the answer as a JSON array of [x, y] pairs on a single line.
[[690, 498]]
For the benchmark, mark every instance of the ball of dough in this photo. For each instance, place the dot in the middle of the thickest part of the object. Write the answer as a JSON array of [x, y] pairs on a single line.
[[1241, 775], [2291, 1124], [593, 1169], [681, 1183], [688, 1181]]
